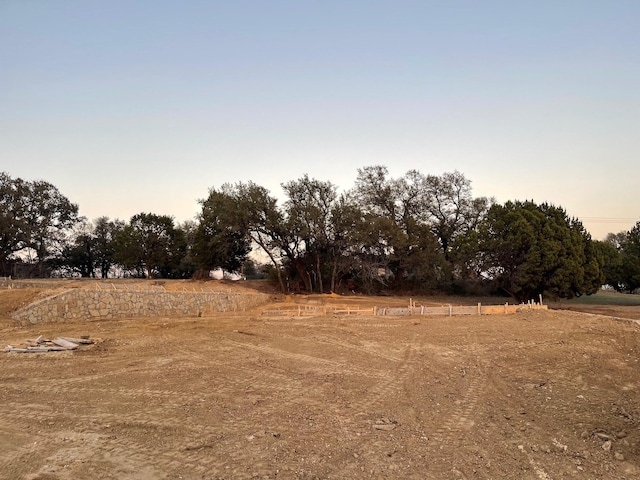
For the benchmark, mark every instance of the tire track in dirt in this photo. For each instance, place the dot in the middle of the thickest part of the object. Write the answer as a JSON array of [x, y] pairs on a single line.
[[236, 378], [298, 391], [370, 351], [390, 386], [103, 416], [387, 385], [251, 429], [71, 381], [448, 436], [297, 357], [389, 382], [371, 422], [459, 419], [449, 439], [336, 367], [22, 415], [151, 395], [122, 452], [13, 463], [91, 417], [80, 396]]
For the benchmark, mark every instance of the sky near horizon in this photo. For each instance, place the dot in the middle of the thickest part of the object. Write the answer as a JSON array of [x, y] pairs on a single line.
[[130, 107]]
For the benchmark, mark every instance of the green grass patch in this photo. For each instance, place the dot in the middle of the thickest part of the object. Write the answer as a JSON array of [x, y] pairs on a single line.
[[606, 297]]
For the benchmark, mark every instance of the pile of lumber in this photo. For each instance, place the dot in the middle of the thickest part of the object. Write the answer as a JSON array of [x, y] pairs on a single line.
[[58, 344]]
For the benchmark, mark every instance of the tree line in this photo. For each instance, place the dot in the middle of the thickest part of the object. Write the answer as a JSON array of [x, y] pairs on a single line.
[[415, 233]]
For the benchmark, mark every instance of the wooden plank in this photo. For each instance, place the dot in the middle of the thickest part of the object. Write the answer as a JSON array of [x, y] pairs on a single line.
[[29, 350], [65, 343], [80, 341]]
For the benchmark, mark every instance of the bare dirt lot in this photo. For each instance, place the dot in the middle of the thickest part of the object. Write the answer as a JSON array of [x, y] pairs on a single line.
[[536, 395]]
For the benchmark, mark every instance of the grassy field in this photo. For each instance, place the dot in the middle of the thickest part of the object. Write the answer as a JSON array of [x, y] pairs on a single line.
[[605, 297]]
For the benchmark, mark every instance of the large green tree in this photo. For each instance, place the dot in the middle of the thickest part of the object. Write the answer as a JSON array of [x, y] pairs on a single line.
[[34, 216], [221, 238], [78, 256], [149, 245], [301, 240], [426, 225], [531, 249], [345, 239], [49, 217], [454, 215], [90, 249], [452, 210], [258, 214], [393, 212], [621, 259], [630, 269], [104, 236], [308, 210], [187, 266], [13, 228]]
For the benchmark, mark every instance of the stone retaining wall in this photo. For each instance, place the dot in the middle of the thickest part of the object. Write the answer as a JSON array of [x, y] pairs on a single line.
[[77, 304]]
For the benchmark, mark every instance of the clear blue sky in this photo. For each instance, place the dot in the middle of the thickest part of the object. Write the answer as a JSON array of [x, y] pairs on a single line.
[[142, 106]]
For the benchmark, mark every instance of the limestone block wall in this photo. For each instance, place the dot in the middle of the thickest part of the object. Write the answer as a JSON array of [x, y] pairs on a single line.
[[78, 304]]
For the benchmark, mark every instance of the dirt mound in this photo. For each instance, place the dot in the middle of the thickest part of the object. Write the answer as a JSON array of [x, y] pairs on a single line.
[[16, 298]]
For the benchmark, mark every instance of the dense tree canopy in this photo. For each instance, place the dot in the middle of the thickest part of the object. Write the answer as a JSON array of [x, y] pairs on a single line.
[[413, 233], [220, 239], [35, 216], [78, 255], [423, 225], [13, 235], [104, 235], [622, 265], [631, 259], [150, 246], [531, 249]]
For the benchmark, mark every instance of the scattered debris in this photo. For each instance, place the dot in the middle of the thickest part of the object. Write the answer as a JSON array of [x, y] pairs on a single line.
[[244, 332], [58, 344], [386, 424]]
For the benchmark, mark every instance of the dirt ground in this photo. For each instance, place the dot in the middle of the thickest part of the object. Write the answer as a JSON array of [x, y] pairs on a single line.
[[536, 395]]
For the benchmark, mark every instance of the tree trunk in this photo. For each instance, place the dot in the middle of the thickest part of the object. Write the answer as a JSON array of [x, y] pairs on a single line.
[[334, 272], [278, 274], [261, 244], [320, 284], [302, 273]]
